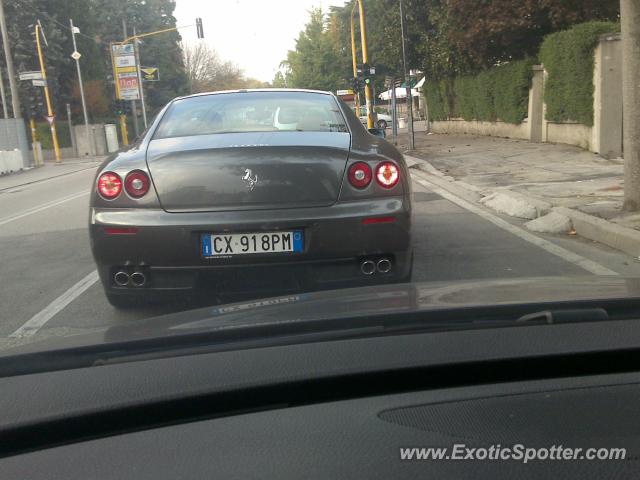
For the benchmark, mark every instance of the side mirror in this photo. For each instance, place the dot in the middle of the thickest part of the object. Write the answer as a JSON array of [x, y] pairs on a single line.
[[378, 132]]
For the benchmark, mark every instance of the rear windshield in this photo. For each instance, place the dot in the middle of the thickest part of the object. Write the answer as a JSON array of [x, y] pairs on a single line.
[[252, 112]]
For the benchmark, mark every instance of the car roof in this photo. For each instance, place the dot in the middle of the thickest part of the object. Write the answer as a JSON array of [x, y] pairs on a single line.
[[247, 90]]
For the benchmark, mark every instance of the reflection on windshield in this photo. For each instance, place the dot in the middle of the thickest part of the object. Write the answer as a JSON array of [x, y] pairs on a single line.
[[196, 167]]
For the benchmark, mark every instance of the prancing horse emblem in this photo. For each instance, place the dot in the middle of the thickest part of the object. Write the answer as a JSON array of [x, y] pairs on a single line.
[[250, 179]]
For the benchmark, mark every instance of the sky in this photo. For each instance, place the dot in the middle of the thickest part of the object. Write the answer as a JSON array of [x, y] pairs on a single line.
[[254, 34]]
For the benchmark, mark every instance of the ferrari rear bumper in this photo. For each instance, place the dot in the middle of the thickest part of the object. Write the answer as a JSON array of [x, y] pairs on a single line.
[[166, 248]]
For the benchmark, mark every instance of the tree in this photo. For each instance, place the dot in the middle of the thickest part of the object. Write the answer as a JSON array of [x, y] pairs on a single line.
[[315, 61], [279, 80], [95, 97], [501, 30], [207, 72]]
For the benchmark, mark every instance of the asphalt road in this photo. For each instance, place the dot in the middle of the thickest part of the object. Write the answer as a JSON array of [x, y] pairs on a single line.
[[45, 255]]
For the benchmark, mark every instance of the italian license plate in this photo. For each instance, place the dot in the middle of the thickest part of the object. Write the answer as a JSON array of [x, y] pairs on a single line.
[[220, 245]]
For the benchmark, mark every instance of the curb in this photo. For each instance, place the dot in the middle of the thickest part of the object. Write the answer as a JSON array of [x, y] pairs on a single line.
[[460, 189], [621, 238], [615, 236], [51, 177]]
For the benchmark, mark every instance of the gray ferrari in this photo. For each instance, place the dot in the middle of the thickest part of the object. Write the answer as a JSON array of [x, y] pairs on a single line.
[[266, 190]]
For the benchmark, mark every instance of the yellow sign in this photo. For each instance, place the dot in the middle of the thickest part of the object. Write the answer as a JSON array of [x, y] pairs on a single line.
[[126, 69], [150, 74]]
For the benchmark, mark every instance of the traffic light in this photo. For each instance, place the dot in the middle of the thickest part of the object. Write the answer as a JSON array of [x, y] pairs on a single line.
[[121, 107], [35, 103], [356, 84]]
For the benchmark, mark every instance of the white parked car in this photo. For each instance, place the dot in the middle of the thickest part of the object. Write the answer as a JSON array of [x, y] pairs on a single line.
[[382, 120]]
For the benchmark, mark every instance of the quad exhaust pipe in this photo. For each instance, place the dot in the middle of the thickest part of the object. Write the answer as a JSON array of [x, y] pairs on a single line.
[[138, 279], [369, 267], [123, 279], [384, 265]]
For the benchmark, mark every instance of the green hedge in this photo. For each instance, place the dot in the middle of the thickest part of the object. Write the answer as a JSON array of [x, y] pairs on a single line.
[[436, 94], [44, 134], [500, 93], [568, 59]]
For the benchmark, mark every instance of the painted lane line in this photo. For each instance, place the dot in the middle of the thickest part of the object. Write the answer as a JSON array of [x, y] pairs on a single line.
[[40, 208], [36, 322], [579, 260]]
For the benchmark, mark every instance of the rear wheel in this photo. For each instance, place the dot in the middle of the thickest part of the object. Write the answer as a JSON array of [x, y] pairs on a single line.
[[382, 124]]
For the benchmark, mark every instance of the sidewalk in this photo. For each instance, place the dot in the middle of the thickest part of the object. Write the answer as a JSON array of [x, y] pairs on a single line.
[[532, 180], [47, 171]]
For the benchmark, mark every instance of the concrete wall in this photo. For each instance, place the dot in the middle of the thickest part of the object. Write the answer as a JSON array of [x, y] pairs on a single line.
[[604, 137], [571, 134], [97, 143], [494, 129], [607, 101], [50, 156], [10, 161], [13, 135]]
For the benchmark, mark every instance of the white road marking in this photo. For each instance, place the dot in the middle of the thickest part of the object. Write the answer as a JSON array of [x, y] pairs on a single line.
[[36, 322], [42, 207], [588, 265]]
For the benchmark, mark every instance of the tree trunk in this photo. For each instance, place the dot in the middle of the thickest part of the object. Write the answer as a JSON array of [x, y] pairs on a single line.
[[630, 19]]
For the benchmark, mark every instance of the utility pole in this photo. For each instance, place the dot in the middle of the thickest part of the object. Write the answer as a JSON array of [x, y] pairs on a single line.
[[407, 77], [394, 112], [134, 109], [630, 22], [354, 61], [15, 98], [70, 124], [3, 97], [365, 59], [76, 56], [137, 56], [51, 118]]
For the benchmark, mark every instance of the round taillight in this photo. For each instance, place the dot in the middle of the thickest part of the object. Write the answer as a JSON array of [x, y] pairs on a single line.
[[387, 174], [136, 183], [109, 185], [360, 174]]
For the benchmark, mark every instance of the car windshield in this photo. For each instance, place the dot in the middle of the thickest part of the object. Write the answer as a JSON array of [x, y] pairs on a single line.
[[251, 112], [171, 166]]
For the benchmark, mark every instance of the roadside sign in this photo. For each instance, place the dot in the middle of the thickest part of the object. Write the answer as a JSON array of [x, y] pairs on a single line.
[[126, 71], [39, 83], [76, 55], [128, 87], [123, 70], [340, 93], [125, 61], [150, 74], [33, 75], [50, 119], [122, 50]]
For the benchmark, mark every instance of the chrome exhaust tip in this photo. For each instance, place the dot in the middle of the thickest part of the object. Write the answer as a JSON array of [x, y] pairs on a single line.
[[138, 279], [384, 265], [368, 267], [121, 278]]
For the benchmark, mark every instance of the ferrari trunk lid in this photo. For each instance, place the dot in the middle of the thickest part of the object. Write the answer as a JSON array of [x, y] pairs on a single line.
[[239, 171]]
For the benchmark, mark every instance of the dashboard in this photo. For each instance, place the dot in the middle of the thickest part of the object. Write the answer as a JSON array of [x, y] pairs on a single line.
[[335, 409]]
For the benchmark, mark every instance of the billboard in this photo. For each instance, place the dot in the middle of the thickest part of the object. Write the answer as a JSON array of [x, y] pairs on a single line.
[[124, 63]]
